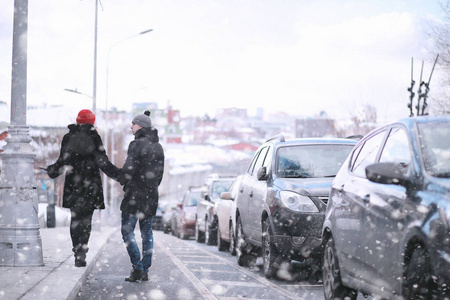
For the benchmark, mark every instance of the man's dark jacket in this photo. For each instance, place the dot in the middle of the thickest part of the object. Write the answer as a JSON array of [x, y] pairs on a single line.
[[142, 173], [83, 153]]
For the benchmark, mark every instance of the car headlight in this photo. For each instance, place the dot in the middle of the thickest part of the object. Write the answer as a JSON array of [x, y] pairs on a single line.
[[297, 202]]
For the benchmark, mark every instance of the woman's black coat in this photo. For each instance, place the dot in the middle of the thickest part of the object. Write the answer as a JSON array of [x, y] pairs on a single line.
[[83, 153], [142, 173]]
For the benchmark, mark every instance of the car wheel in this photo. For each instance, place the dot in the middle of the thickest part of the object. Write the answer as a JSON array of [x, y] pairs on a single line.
[[222, 245], [272, 260], [199, 236], [419, 282], [332, 283], [209, 235], [232, 244], [244, 255]]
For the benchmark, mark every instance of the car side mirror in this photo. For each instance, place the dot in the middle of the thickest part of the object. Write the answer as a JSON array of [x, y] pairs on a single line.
[[387, 173], [262, 173], [180, 205], [226, 196], [207, 197]]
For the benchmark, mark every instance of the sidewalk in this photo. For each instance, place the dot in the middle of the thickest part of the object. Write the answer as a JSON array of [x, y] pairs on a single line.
[[58, 278]]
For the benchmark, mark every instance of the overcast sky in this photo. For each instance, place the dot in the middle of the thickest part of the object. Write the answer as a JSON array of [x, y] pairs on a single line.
[[297, 56]]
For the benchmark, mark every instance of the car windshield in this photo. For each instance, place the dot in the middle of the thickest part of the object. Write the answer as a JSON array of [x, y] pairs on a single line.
[[193, 198], [302, 161], [219, 187], [435, 144]]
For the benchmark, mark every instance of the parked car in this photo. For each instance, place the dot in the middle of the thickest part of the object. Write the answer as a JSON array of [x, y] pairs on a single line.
[[174, 218], [206, 219], [226, 210], [387, 225], [282, 201], [185, 217], [157, 219], [167, 212]]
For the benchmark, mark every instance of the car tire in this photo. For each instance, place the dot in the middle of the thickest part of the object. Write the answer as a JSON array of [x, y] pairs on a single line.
[[418, 276], [332, 283], [222, 245], [199, 236], [232, 243], [244, 255], [272, 260], [210, 238]]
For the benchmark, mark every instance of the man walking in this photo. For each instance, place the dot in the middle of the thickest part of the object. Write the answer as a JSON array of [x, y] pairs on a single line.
[[82, 152], [141, 175]]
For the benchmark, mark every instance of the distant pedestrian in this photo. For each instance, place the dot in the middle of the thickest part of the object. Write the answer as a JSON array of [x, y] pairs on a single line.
[[82, 155], [141, 175]]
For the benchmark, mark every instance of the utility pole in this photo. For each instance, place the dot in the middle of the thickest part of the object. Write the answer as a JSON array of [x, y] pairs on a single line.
[[94, 88], [20, 240]]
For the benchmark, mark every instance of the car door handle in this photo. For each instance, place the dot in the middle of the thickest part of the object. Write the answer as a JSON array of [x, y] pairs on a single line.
[[241, 190], [366, 199], [251, 194]]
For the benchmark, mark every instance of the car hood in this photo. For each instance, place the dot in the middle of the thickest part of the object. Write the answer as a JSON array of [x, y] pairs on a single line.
[[306, 186]]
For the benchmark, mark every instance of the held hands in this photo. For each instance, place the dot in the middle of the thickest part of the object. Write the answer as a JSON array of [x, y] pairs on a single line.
[[52, 172], [124, 178]]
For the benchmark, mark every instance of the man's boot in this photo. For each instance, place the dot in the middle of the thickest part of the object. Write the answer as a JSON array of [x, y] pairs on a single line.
[[136, 275]]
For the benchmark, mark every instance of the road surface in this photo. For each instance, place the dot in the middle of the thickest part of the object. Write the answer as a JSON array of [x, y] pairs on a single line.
[[189, 270]]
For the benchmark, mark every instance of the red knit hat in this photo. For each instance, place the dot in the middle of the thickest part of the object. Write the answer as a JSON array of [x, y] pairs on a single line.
[[85, 116]]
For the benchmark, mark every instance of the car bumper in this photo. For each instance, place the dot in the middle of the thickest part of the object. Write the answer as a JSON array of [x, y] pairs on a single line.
[[188, 227], [290, 247], [298, 234]]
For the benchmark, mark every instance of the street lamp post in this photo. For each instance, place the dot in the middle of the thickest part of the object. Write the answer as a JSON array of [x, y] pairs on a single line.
[[20, 240], [107, 116], [94, 88]]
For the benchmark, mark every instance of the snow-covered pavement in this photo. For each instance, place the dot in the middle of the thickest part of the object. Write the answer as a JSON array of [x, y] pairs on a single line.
[[58, 278]]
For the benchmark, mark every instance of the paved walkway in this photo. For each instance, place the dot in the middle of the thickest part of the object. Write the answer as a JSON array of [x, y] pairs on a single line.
[[58, 278]]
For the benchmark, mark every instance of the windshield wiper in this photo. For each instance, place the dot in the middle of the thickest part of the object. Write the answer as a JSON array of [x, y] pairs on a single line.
[[296, 176]]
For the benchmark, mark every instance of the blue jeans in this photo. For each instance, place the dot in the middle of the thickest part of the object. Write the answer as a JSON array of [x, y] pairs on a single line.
[[128, 224]]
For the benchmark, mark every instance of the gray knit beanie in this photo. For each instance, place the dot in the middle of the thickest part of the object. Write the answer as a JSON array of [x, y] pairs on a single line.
[[143, 120]]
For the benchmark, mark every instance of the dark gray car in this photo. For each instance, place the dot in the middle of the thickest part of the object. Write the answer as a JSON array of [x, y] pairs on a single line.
[[282, 199], [387, 229]]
